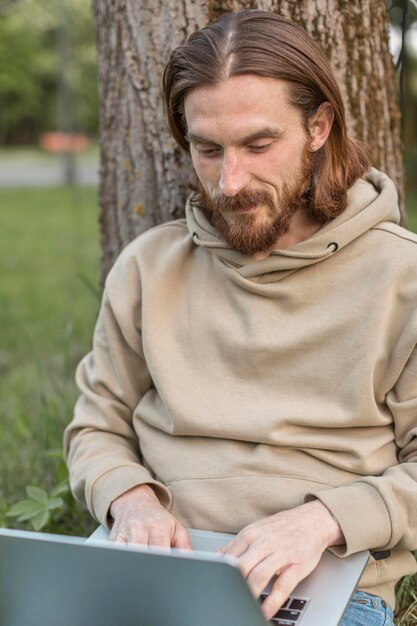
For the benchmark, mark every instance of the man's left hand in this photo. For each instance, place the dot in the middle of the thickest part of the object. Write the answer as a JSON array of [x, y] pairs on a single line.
[[287, 545]]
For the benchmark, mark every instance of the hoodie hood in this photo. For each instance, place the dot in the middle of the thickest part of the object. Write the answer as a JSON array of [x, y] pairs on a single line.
[[371, 201]]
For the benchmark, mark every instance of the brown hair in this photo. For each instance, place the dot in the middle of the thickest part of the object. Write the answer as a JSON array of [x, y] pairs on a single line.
[[257, 42]]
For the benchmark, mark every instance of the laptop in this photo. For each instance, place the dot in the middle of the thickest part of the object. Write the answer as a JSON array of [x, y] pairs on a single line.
[[54, 580]]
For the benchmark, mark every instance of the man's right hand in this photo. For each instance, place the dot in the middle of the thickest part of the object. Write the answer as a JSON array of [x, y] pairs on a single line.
[[140, 518]]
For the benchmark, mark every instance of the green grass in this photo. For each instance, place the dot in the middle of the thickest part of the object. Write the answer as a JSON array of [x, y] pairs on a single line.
[[411, 207], [406, 609], [48, 252]]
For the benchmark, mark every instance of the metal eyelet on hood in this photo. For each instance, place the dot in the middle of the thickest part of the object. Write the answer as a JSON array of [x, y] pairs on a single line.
[[335, 246]]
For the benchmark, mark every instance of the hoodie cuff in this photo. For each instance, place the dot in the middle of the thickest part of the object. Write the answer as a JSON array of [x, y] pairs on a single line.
[[362, 516], [115, 482]]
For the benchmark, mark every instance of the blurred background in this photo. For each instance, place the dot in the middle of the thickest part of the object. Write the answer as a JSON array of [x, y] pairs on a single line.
[[49, 237], [49, 248]]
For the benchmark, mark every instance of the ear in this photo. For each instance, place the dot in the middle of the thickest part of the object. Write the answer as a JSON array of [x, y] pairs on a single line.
[[320, 125]]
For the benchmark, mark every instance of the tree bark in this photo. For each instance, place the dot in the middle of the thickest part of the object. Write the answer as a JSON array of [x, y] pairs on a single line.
[[143, 174]]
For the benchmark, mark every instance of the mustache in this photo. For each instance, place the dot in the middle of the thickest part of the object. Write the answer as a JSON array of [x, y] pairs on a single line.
[[243, 199]]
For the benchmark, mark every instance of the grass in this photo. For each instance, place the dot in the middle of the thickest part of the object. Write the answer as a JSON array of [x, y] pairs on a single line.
[[411, 207], [406, 609], [49, 257], [48, 252]]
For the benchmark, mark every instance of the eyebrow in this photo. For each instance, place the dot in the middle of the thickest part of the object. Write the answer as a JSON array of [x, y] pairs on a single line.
[[263, 133]]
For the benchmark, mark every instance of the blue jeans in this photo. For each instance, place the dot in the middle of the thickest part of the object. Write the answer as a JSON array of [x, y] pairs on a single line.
[[367, 610]]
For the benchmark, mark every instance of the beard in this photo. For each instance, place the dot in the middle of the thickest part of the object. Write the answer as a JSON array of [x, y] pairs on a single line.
[[252, 233]]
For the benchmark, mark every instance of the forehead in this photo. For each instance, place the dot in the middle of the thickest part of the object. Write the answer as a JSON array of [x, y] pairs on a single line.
[[239, 106]]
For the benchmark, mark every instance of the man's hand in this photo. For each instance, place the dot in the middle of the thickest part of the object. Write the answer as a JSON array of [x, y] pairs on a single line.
[[140, 518], [287, 545]]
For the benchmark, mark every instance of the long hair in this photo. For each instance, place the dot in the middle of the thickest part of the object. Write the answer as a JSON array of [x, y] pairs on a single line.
[[262, 43]]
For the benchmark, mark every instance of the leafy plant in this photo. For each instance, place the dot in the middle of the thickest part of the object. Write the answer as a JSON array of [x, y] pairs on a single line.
[[54, 511], [39, 504]]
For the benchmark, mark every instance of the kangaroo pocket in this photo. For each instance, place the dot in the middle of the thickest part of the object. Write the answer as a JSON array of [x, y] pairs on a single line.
[[229, 503]]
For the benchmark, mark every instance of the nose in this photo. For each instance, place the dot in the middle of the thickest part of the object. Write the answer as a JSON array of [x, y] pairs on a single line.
[[234, 176]]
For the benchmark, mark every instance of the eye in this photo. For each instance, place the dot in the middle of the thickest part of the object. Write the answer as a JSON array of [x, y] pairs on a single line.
[[262, 148], [208, 152]]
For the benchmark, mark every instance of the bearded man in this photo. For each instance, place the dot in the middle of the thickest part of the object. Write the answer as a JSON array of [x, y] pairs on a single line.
[[254, 365]]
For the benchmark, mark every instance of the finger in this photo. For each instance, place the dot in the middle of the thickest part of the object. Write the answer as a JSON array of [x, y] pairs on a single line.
[[262, 574], [136, 533], [159, 537], [116, 534], [181, 538], [237, 547], [117, 537], [253, 557], [281, 589]]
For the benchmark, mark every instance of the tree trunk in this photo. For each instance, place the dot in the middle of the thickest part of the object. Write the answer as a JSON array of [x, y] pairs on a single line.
[[143, 173]]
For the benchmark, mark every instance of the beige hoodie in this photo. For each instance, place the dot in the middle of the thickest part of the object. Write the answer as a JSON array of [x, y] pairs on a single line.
[[241, 388]]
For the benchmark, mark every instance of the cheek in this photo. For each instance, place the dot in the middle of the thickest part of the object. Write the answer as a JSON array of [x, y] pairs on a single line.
[[207, 171], [280, 163]]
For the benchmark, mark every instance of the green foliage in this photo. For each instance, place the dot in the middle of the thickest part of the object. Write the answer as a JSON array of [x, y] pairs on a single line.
[[48, 239], [36, 508], [55, 511], [411, 206], [406, 613], [396, 8], [29, 68]]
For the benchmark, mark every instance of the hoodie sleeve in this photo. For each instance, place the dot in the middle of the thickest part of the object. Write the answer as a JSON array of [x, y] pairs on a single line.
[[379, 512], [101, 446]]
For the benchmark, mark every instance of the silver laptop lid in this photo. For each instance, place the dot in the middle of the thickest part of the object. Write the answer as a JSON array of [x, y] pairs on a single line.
[[48, 580]]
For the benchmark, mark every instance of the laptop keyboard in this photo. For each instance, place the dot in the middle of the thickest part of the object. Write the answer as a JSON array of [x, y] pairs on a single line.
[[291, 612]]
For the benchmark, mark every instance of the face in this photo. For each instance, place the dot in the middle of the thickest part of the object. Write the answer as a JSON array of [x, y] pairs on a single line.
[[252, 156]]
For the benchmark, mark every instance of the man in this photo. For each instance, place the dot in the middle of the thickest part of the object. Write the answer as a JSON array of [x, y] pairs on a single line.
[[254, 366]]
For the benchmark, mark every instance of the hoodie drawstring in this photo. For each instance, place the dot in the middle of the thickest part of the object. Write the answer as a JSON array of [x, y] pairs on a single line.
[[331, 248]]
